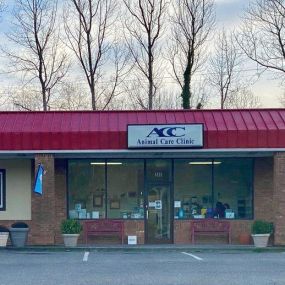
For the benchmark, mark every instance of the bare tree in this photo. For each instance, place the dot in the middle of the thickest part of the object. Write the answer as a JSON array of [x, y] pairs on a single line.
[[5, 100], [144, 28], [90, 29], [72, 96], [1, 5], [224, 69], [262, 34], [38, 55], [281, 99], [24, 99], [192, 22], [243, 99], [69, 96]]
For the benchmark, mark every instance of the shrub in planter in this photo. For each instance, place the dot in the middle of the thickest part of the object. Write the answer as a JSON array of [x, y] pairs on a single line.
[[70, 230], [19, 234], [261, 227], [4, 235], [261, 231]]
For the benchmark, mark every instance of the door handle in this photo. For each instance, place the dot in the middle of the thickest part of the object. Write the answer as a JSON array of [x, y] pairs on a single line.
[[147, 214]]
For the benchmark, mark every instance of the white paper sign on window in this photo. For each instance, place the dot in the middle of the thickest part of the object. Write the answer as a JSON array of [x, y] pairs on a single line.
[[177, 204], [158, 204]]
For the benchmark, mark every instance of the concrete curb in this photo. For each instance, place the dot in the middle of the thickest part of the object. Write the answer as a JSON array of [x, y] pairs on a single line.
[[146, 248]]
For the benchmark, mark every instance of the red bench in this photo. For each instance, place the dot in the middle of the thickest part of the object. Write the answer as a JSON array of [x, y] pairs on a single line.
[[210, 227], [104, 227]]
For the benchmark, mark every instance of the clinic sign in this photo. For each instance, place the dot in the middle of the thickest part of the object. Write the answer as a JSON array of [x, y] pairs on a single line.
[[165, 136]]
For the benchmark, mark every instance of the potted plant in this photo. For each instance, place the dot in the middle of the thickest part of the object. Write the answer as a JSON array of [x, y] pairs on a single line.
[[4, 234], [261, 231], [19, 234], [70, 230]]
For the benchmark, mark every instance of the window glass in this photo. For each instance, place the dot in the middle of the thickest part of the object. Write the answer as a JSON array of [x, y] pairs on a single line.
[[233, 188], [125, 182], [158, 171], [87, 190], [2, 190], [192, 188]]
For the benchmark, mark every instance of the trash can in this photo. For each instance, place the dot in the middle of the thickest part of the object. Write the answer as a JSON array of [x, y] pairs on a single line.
[[4, 235], [19, 234]]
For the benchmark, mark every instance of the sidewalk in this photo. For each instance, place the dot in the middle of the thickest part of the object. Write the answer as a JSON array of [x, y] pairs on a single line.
[[150, 248]]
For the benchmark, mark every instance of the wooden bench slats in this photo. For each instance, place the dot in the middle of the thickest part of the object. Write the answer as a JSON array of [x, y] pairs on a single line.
[[210, 227], [104, 228]]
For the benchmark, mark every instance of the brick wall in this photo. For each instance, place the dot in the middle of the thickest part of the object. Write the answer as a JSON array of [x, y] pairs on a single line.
[[182, 230], [135, 228], [49, 209], [279, 199], [131, 228], [263, 189], [43, 206], [61, 196], [263, 203]]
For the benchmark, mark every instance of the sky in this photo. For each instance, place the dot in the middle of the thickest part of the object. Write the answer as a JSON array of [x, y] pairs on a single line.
[[267, 88], [228, 14]]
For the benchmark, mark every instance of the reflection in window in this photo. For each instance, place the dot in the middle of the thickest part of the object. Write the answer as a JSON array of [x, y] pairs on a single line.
[[220, 188], [2, 190], [158, 171], [192, 188], [125, 182], [87, 189], [233, 188]]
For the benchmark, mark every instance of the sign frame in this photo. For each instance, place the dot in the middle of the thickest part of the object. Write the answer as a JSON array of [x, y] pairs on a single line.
[[166, 146]]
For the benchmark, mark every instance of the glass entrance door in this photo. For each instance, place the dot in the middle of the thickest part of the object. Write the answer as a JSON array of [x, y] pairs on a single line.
[[158, 200], [158, 214]]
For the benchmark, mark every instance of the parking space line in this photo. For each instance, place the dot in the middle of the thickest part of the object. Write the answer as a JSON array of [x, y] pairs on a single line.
[[85, 257], [192, 255]]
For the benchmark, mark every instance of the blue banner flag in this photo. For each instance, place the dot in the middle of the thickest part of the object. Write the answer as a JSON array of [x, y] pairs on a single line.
[[39, 180]]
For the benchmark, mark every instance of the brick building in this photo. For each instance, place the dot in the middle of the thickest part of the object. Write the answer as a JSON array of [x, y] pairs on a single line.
[[157, 171]]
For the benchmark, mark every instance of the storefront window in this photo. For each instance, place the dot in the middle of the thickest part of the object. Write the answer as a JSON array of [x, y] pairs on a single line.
[[2, 190], [203, 188], [192, 188], [158, 171], [213, 188], [125, 181], [91, 181], [87, 189], [233, 188]]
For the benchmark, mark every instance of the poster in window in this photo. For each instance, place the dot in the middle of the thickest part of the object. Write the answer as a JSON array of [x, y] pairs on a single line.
[[97, 200], [114, 204]]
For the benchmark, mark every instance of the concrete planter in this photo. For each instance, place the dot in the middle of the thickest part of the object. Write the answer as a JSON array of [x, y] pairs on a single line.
[[19, 236], [70, 240], [3, 238], [260, 240]]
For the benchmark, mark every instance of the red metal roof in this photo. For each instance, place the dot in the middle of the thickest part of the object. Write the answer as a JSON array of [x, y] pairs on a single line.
[[81, 130]]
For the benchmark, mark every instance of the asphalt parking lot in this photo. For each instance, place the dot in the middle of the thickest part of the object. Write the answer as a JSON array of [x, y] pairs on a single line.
[[135, 268]]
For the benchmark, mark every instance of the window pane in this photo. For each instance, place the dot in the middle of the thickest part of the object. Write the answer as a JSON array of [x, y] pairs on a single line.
[[192, 188], [158, 171], [2, 207], [233, 188], [125, 180], [86, 189]]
